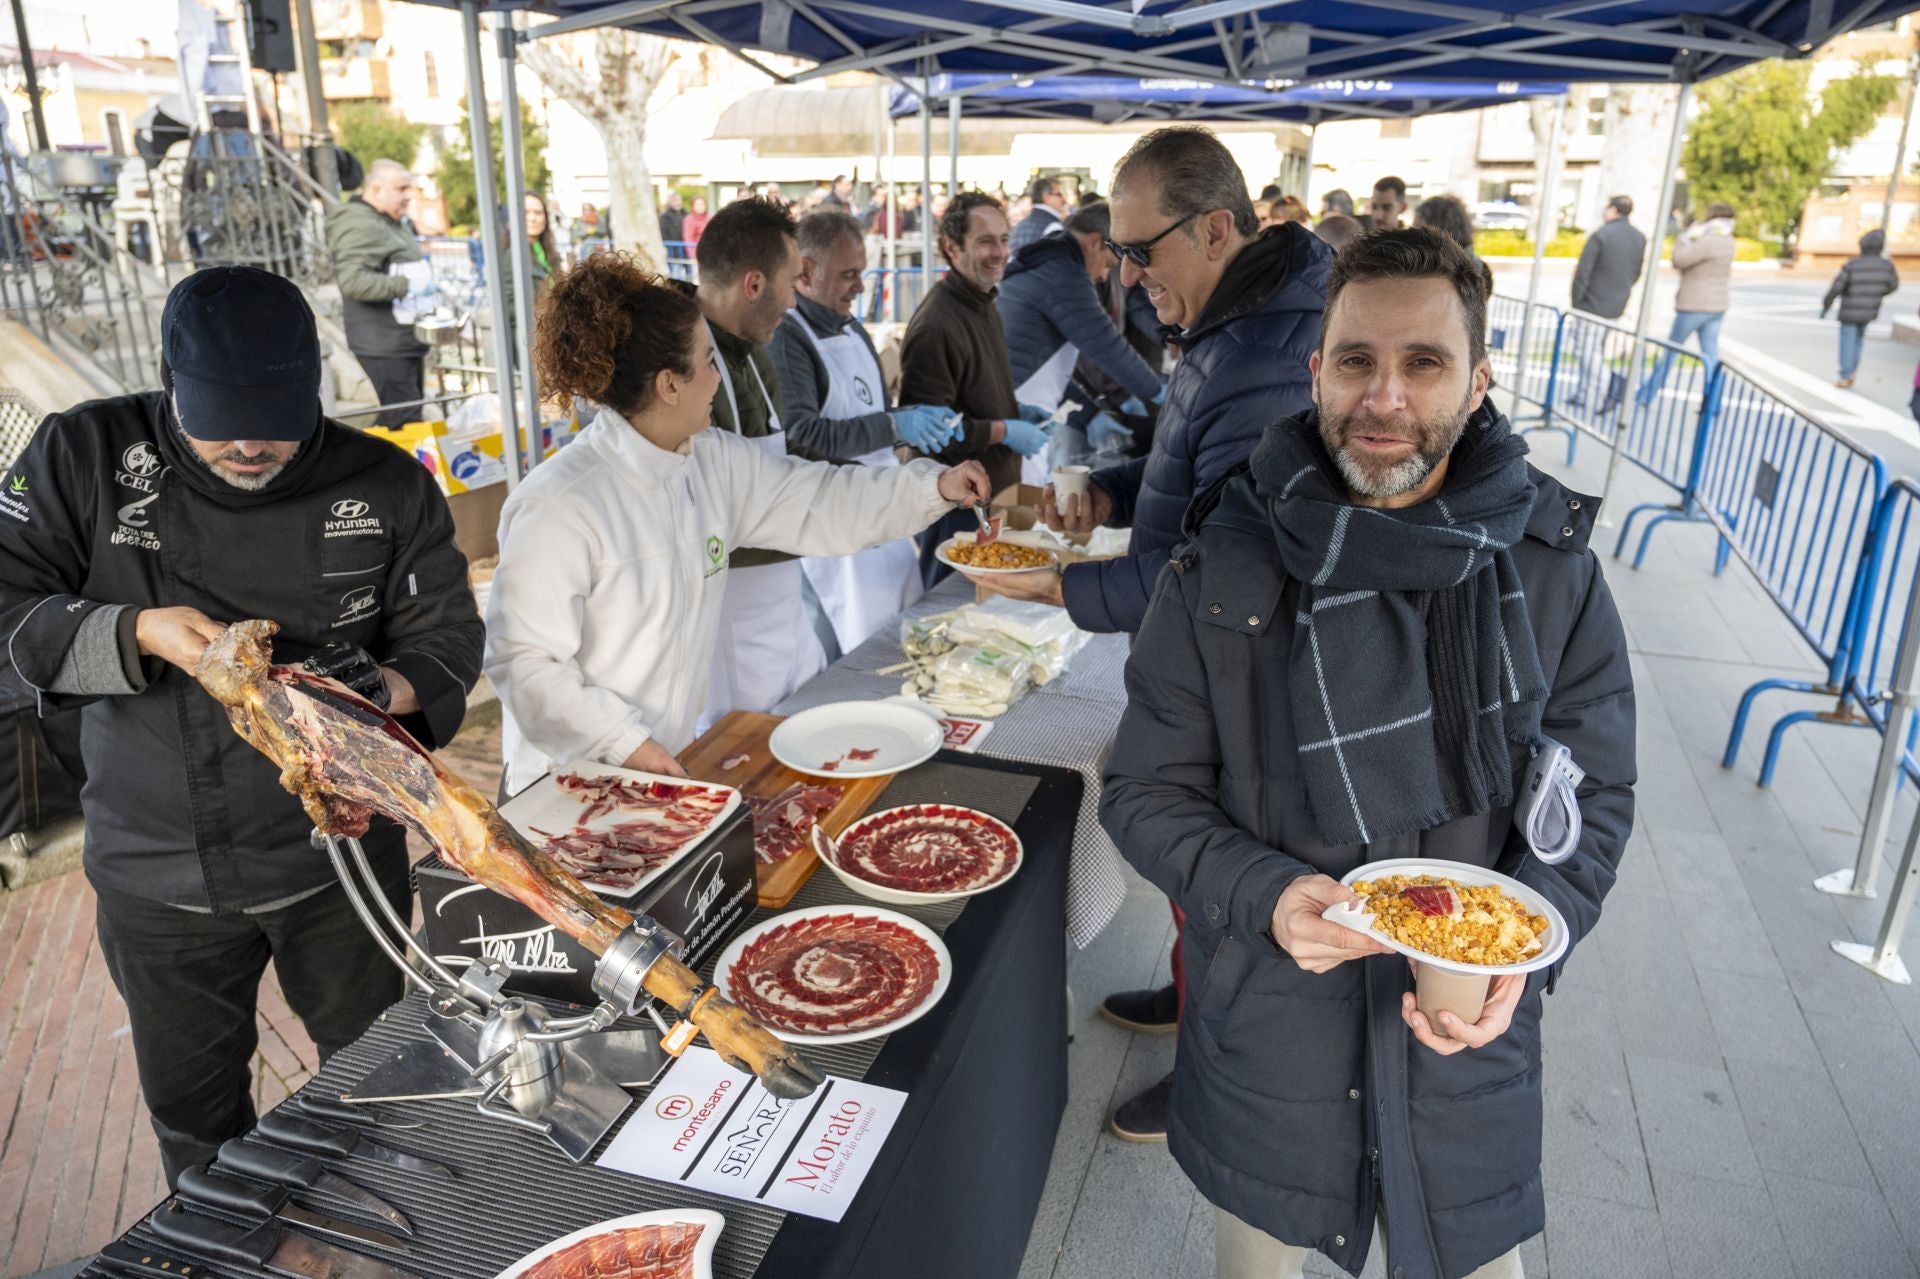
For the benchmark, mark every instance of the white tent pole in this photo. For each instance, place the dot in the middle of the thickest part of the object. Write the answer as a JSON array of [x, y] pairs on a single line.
[[953, 147], [1306, 175], [1649, 279], [926, 187], [1544, 228], [519, 243], [480, 138]]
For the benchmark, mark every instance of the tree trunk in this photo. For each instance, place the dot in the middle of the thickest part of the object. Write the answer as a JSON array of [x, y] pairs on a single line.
[[636, 219], [1639, 118]]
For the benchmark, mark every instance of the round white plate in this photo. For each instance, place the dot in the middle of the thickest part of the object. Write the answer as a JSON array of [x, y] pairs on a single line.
[[967, 539], [702, 1250], [723, 970], [906, 897], [1555, 939], [902, 735]]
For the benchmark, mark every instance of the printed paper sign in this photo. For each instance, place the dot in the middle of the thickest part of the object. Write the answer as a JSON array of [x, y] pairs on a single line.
[[708, 1126], [964, 734]]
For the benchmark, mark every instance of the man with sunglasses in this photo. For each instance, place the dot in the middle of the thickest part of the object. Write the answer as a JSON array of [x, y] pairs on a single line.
[[1243, 306]]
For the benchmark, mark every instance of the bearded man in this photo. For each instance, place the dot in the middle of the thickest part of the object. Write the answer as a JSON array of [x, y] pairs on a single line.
[[1375, 623]]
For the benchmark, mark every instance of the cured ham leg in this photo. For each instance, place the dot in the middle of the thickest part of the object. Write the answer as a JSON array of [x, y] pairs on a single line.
[[346, 760]]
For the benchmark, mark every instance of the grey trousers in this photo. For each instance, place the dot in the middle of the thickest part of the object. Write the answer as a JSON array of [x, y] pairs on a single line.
[[1242, 1252]]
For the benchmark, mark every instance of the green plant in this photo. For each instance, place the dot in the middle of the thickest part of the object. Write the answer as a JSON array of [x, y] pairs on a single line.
[[375, 131], [1763, 144], [455, 175], [1518, 244]]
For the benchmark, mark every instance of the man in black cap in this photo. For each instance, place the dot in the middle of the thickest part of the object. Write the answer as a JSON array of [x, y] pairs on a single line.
[[131, 531]]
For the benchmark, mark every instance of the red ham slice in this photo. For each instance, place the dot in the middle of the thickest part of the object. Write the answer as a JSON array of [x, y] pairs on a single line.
[[783, 823], [664, 1250], [831, 974], [1432, 899], [667, 815], [929, 848]]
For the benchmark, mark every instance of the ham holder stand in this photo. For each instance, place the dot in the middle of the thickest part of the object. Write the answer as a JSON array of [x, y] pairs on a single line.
[[562, 1077]]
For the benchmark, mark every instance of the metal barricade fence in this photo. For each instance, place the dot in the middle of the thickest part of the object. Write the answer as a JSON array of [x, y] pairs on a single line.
[[1888, 578], [893, 293], [1669, 425], [1798, 502]]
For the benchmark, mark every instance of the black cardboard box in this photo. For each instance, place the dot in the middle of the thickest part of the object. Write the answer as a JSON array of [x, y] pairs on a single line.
[[703, 896]]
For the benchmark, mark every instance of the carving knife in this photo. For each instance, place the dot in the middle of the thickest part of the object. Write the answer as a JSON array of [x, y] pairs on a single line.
[[289, 1129], [989, 525], [250, 1199], [264, 1163], [263, 1247], [360, 1115]]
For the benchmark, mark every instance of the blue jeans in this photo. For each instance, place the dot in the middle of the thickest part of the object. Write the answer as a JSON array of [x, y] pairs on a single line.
[[1685, 324], [1852, 338]]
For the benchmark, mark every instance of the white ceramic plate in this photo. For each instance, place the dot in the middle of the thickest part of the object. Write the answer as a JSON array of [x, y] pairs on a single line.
[[722, 971], [713, 1222], [1553, 946], [968, 540], [546, 806], [901, 736], [902, 896]]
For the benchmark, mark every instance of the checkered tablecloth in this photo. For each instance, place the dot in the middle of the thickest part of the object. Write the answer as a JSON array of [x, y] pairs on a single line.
[[1068, 723]]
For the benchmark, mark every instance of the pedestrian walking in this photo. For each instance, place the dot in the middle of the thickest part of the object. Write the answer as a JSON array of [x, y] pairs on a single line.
[[1609, 267], [1859, 287], [1703, 253]]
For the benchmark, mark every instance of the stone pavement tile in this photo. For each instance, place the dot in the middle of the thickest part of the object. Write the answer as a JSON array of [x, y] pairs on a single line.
[[1695, 862], [1658, 1008], [1592, 1138], [1758, 1018], [1718, 1229], [1723, 933], [1798, 1124], [1690, 1120], [1132, 1216], [1877, 1074], [1196, 1250], [1600, 1239], [1839, 1230]]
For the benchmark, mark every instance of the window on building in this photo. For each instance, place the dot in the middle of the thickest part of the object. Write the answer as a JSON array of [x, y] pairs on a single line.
[[112, 124], [1401, 128], [433, 75], [1596, 114]]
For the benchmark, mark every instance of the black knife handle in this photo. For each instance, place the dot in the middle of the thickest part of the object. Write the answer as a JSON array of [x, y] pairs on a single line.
[[124, 1258], [247, 1198], [268, 1164], [304, 1134], [248, 1245]]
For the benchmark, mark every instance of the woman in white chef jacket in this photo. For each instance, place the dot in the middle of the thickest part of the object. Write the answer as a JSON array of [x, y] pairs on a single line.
[[605, 607]]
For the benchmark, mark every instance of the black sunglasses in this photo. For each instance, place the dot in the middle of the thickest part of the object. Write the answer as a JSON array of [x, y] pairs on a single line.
[[1141, 254]]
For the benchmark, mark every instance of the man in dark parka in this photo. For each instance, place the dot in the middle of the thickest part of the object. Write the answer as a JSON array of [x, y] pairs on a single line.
[[1370, 627]]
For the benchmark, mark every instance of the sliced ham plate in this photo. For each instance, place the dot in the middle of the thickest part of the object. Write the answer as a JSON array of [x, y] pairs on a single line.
[[835, 973]]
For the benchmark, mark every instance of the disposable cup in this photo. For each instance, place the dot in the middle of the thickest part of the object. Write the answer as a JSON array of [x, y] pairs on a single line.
[[1462, 994], [1070, 480]]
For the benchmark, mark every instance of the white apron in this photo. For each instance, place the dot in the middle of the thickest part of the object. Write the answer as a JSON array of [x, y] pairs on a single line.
[[1046, 386], [863, 590], [766, 647]]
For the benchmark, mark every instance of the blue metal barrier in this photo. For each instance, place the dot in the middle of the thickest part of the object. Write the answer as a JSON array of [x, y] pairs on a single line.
[[1667, 436], [1528, 375], [1799, 503], [1888, 580], [893, 293]]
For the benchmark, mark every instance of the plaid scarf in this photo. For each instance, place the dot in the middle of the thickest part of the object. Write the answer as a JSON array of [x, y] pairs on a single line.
[[1413, 663]]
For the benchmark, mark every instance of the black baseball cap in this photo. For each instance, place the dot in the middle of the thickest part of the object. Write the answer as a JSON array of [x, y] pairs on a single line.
[[242, 355]]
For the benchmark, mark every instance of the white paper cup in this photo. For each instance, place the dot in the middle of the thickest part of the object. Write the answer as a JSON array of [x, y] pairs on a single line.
[[1069, 480], [1436, 990]]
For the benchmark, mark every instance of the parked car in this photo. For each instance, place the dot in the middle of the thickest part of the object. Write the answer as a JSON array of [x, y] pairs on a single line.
[[1501, 215]]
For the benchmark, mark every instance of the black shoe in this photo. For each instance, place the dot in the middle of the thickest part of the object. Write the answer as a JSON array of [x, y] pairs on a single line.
[[1144, 1119], [1150, 1012]]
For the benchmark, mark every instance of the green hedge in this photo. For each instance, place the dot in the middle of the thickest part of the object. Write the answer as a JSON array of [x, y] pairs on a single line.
[[1567, 244]]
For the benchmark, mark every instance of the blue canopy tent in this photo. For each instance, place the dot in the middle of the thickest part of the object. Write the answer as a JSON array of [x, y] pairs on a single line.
[[1220, 42]]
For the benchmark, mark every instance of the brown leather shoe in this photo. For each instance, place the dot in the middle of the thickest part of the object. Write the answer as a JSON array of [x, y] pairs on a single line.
[[1145, 1012]]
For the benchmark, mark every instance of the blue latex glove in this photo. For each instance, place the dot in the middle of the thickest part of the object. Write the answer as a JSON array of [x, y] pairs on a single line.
[[1103, 433], [927, 427], [1034, 413], [1160, 396], [1132, 408], [1025, 438]]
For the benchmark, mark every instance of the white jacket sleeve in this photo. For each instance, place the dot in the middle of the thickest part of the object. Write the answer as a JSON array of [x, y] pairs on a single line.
[[822, 508], [535, 620]]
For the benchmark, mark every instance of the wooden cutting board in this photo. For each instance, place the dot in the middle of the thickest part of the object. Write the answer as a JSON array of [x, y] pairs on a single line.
[[746, 733]]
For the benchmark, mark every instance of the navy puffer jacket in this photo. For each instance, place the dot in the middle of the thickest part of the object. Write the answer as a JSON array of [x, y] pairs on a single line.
[[1243, 367]]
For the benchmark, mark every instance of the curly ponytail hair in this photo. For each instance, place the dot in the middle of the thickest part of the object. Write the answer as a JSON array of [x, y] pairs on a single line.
[[606, 328]]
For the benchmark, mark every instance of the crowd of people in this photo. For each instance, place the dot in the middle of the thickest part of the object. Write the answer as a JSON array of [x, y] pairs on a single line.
[[1355, 613]]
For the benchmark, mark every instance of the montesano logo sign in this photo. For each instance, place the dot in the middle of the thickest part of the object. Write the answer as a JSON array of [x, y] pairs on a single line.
[[352, 517], [716, 1129]]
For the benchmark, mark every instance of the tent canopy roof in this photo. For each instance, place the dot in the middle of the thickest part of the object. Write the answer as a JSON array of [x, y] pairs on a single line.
[[1229, 41]]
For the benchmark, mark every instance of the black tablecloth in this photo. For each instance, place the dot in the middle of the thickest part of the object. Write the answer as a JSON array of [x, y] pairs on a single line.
[[955, 1187]]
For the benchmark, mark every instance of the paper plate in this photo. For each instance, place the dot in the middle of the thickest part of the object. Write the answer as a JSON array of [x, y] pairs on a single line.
[[1053, 560], [1553, 946], [544, 806], [903, 896], [722, 971], [699, 1263], [825, 741]]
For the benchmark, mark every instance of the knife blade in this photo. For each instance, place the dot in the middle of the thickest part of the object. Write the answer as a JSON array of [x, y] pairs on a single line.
[[360, 1115], [251, 1199], [323, 1139], [989, 525], [264, 1163], [266, 1247]]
